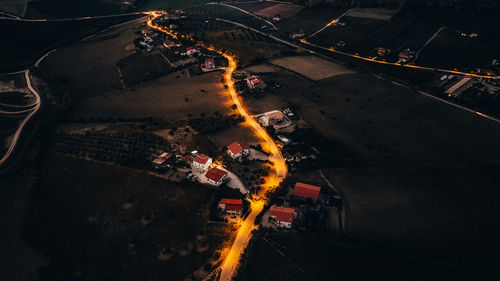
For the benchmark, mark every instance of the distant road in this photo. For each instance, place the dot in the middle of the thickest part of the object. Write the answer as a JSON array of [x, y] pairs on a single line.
[[243, 11], [483, 115], [15, 138], [37, 103], [71, 19]]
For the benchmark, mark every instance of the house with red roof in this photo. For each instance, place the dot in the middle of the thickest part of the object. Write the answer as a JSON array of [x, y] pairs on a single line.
[[283, 216], [216, 176], [202, 162], [231, 206], [163, 160], [255, 82], [305, 190], [238, 149]]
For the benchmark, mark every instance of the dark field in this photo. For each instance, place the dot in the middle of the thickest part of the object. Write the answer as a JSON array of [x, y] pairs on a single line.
[[89, 68], [385, 124], [309, 19], [114, 224], [73, 8], [451, 50], [302, 256], [29, 40]]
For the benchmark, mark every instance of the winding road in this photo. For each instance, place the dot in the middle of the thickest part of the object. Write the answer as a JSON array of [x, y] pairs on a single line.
[[36, 105], [277, 174], [33, 110]]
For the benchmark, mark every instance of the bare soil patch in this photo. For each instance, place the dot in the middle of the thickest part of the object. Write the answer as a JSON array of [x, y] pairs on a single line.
[[168, 97], [311, 66]]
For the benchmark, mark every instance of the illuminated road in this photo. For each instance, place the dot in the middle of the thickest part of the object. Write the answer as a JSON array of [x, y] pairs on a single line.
[[489, 76], [276, 175], [331, 23]]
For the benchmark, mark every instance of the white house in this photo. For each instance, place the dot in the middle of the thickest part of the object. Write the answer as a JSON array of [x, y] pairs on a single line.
[[282, 216], [216, 176], [237, 150], [202, 162]]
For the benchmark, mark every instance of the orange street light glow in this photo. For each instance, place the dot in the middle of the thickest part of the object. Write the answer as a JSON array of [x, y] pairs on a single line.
[[278, 169]]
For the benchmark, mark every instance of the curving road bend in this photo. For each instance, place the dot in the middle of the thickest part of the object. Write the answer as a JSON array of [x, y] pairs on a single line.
[[277, 174], [34, 110], [36, 105]]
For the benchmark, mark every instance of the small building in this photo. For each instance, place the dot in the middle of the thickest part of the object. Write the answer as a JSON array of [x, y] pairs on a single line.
[[305, 190], [283, 216], [271, 118], [255, 82], [231, 206], [190, 51], [297, 35], [406, 55], [238, 149], [216, 176], [208, 65], [162, 160], [381, 51], [458, 88], [202, 162]]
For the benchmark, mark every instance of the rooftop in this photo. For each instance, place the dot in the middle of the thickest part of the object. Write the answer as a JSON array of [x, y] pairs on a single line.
[[215, 174], [201, 159], [282, 214], [237, 147]]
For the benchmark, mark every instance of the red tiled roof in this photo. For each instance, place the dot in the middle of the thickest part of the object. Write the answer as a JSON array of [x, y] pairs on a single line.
[[202, 159], [215, 174], [306, 190], [236, 147], [231, 201], [209, 61], [189, 48], [164, 157], [282, 214], [231, 204]]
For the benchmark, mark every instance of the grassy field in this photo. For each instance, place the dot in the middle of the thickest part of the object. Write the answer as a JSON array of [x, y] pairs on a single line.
[[175, 96], [384, 123], [28, 40], [74, 8], [89, 68], [302, 256], [171, 4], [118, 223]]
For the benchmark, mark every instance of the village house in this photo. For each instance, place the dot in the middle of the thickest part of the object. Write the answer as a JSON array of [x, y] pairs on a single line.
[[231, 206], [190, 51], [458, 88], [255, 82], [237, 150], [271, 118], [163, 160], [406, 55], [202, 162], [216, 176], [283, 216], [306, 191], [208, 65]]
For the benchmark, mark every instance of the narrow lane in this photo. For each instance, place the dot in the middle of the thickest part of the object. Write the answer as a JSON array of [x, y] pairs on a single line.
[[15, 138], [277, 174]]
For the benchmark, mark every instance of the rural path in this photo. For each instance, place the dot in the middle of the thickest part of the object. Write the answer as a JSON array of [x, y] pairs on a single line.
[[332, 22], [245, 12], [15, 138], [36, 105], [277, 174]]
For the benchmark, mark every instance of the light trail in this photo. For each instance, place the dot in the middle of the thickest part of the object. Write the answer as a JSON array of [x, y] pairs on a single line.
[[489, 76], [276, 175]]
